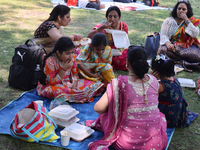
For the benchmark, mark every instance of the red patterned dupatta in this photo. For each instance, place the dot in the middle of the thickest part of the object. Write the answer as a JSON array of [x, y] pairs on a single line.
[[183, 39], [112, 120]]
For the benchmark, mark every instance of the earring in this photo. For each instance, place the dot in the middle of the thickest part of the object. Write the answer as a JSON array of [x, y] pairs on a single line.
[[126, 65]]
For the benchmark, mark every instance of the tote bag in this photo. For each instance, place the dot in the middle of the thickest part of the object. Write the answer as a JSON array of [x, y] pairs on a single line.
[[40, 127], [152, 44]]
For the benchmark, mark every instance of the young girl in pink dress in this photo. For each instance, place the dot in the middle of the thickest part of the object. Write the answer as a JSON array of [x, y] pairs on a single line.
[[60, 78], [129, 114]]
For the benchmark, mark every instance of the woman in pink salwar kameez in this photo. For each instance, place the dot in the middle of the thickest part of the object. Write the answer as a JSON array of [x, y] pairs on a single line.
[[129, 114]]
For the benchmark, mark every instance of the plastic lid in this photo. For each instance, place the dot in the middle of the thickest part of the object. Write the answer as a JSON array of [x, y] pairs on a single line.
[[120, 39], [64, 112], [79, 132]]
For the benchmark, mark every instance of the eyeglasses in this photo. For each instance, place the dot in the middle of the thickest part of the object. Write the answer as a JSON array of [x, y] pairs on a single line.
[[187, 1]]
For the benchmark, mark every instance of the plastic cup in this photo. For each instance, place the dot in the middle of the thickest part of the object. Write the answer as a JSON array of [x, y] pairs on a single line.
[[65, 137], [39, 102]]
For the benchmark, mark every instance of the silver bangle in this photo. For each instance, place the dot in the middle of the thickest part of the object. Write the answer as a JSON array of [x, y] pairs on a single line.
[[188, 21]]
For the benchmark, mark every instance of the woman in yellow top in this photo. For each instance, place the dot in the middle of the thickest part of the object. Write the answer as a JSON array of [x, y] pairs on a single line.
[[94, 61]]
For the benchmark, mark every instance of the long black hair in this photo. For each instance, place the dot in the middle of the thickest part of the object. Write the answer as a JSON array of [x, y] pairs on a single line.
[[63, 44], [137, 58], [189, 7], [163, 65]]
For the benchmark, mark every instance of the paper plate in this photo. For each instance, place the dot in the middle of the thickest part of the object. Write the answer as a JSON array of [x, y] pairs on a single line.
[[85, 41], [178, 69]]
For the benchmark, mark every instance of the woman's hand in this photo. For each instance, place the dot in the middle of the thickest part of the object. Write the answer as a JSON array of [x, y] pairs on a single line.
[[68, 64], [75, 84], [170, 46], [96, 75], [155, 74], [79, 37], [105, 26], [184, 17]]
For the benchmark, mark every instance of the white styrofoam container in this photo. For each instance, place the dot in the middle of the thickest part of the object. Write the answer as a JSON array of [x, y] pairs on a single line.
[[120, 38], [187, 82], [79, 132], [63, 113], [63, 124]]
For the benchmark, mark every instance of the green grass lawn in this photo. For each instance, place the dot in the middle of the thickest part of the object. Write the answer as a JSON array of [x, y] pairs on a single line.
[[20, 18]]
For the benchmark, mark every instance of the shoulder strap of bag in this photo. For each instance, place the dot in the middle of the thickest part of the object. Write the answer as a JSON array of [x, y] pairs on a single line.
[[48, 117], [34, 43]]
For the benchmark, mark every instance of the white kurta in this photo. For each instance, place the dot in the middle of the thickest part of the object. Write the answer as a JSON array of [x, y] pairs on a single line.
[[170, 26]]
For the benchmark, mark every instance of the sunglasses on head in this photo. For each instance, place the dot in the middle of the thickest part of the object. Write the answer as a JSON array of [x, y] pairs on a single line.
[[187, 1]]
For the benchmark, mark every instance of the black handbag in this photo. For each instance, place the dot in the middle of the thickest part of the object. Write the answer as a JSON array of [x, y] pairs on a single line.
[[152, 44]]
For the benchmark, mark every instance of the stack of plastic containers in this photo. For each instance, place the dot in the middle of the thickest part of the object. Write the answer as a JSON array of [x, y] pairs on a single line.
[[64, 115]]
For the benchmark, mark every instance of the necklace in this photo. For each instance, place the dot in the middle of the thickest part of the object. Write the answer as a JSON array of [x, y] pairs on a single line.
[[144, 92]]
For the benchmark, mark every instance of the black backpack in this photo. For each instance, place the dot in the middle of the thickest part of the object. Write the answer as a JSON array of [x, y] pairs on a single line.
[[27, 58]]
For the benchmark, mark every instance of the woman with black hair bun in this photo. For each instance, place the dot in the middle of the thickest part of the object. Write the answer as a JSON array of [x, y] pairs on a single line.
[[178, 38], [171, 101], [129, 114]]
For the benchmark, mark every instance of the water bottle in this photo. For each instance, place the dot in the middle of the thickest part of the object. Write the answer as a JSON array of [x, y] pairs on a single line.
[[36, 74]]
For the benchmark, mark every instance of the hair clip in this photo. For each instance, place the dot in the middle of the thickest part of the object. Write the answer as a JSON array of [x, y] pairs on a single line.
[[161, 57]]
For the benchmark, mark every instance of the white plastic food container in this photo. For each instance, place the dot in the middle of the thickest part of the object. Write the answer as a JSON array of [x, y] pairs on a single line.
[[63, 113], [79, 132], [120, 38], [63, 124], [187, 82]]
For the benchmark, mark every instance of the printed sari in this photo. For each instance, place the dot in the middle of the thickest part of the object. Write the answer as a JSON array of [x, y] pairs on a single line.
[[57, 87], [95, 64], [187, 52], [130, 123], [118, 62]]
